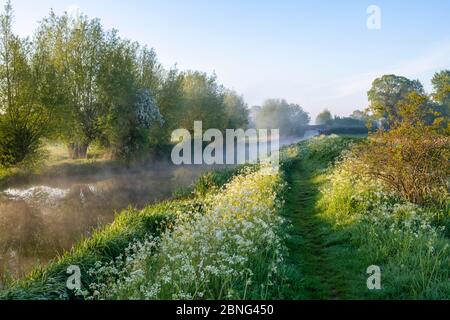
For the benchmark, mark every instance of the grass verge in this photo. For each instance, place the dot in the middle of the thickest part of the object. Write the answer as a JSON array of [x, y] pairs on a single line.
[[342, 224]]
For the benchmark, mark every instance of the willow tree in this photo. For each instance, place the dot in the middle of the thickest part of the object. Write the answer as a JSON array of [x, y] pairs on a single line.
[[169, 98], [75, 49], [23, 116], [150, 72]]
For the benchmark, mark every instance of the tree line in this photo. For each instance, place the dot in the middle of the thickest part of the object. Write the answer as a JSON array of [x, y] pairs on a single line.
[[385, 97], [77, 83]]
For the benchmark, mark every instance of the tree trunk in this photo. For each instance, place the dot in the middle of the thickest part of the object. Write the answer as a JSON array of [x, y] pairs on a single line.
[[77, 150]]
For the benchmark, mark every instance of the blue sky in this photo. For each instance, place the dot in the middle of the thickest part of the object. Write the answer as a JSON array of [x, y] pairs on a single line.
[[319, 54]]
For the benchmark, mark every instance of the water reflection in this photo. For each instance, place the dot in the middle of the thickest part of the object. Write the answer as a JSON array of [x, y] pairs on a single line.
[[41, 220]]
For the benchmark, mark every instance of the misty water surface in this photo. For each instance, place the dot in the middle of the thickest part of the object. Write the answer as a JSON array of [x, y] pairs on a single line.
[[45, 218]]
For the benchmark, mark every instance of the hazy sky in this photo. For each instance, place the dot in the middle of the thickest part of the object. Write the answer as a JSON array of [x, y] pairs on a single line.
[[319, 54]]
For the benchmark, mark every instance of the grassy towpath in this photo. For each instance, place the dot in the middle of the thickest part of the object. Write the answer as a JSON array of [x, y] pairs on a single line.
[[312, 251]]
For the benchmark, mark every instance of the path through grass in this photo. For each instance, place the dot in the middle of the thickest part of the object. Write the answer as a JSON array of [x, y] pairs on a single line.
[[319, 257]]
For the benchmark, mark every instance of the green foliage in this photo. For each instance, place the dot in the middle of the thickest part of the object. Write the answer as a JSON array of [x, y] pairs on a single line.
[[342, 220], [128, 75], [345, 222], [355, 124], [387, 92], [23, 117], [441, 86], [326, 150], [128, 132], [311, 271], [347, 122], [384, 203], [169, 99], [18, 146], [236, 109], [411, 159], [103, 245], [203, 100], [232, 250], [73, 49], [100, 89], [212, 181], [441, 95]]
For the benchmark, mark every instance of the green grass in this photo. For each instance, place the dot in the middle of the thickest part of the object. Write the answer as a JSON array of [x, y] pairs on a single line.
[[315, 263], [307, 244], [338, 233], [131, 225]]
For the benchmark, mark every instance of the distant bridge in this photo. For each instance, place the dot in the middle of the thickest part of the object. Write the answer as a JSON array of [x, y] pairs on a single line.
[[327, 130], [323, 129], [317, 127]]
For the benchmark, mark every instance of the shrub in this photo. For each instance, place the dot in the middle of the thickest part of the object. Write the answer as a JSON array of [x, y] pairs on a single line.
[[411, 159], [19, 143]]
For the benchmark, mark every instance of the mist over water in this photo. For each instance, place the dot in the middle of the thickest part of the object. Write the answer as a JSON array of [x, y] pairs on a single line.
[[44, 218]]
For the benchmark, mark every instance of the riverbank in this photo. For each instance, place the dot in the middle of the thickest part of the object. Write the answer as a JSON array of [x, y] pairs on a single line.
[[106, 243]]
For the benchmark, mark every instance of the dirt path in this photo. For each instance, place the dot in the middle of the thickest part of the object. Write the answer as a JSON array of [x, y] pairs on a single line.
[[308, 248]]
